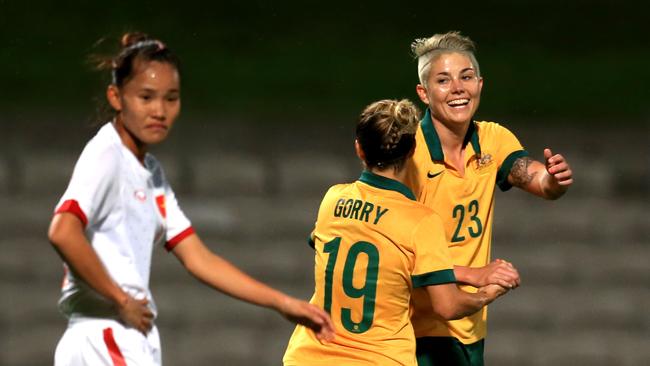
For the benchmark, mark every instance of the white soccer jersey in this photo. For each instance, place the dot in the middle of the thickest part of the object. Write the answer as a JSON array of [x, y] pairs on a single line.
[[127, 209]]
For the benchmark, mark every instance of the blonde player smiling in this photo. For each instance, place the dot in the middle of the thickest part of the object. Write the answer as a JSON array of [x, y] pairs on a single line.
[[457, 164], [373, 245], [118, 207]]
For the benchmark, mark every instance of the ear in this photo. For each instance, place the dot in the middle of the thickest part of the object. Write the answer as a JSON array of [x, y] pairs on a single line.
[[113, 97], [480, 85], [359, 151], [422, 93]]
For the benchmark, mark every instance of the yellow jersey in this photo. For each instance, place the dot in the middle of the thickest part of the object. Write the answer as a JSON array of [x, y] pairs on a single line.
[[373, 244], [465, 204]]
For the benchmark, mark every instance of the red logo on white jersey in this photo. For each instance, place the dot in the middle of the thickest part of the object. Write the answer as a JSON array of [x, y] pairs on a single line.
[[140, 195]]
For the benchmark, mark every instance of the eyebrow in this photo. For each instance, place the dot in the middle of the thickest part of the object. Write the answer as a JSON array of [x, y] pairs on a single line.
[[151, 90], [461, 71]]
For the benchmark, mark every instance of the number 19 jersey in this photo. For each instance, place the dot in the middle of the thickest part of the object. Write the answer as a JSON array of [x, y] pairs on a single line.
[[373, 244]]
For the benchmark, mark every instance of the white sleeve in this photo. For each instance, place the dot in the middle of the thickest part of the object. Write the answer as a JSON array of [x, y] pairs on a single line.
[[178, 225], [94, 187]]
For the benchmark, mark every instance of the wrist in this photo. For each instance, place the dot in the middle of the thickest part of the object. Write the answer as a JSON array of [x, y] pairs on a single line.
[[484, 297], [120, 299], [279, 302], [552, 189], [467, 275]]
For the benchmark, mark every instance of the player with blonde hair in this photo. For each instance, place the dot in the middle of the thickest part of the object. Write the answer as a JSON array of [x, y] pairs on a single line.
[[457, 164], [373, 245], [119, 206]]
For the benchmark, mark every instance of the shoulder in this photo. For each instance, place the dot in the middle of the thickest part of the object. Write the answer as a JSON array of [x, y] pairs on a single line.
[[101, 154], [490, 127], [337, 190], [493, 132]]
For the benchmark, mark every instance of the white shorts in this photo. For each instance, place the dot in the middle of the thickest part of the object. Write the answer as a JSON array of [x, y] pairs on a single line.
[[105, 342]]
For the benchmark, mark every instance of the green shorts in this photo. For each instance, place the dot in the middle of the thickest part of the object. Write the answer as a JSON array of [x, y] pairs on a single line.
[[448, 351]]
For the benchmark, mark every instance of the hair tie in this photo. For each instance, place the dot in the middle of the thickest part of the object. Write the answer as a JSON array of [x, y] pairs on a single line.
[[146, 43]]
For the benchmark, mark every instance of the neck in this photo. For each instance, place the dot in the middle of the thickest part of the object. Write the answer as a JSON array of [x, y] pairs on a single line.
[[451, 135], [137, 147], [399, 176]]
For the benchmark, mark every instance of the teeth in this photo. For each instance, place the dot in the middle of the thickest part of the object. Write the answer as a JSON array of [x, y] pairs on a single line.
[[458, 102]]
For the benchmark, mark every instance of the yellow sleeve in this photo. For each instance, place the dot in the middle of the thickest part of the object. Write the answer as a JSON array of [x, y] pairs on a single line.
[[508, 150], [433, 265]]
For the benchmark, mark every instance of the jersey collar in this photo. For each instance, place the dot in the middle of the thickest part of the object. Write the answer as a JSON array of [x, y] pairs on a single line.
[[378, 181], [433, 141]]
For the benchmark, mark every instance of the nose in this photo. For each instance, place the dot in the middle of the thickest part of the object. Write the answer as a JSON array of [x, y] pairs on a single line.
[[457, 86], [158, 110]]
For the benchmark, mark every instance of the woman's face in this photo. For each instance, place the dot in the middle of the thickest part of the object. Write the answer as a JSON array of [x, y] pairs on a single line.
[[149, 102], [453, 90]]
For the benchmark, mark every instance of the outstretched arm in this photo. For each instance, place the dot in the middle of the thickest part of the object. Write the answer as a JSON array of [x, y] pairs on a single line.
[[219, 274], [449, 302], [550, 180], [67, 236], [499, 272]]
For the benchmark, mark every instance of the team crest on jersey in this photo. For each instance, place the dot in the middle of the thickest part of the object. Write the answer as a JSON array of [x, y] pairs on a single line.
[[484, 161], [140, 195]]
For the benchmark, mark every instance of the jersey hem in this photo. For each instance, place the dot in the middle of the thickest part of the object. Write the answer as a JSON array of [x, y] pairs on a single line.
[[504, 171], [173, 242], [72, 206], [434, 278]]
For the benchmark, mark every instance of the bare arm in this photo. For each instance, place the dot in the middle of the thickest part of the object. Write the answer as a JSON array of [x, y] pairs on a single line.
[[449, 302], [499, 272], [549, 181], [219, 274], [67, 236]]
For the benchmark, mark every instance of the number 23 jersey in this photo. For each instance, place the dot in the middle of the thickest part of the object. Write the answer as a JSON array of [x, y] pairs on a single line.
[[465, 203], [373, 244]]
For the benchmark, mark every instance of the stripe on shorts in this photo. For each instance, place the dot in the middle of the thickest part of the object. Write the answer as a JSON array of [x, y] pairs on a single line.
[[113, 349]]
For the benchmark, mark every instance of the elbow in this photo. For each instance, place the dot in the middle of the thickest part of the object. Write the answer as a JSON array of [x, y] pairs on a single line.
[[443, 314], [63, 230], [447, 312], [54, 235]]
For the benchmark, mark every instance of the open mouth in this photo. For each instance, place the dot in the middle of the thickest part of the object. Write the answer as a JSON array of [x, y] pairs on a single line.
[[458, 103]]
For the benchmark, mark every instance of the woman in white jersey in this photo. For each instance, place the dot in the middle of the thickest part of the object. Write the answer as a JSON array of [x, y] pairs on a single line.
[[118, 206]]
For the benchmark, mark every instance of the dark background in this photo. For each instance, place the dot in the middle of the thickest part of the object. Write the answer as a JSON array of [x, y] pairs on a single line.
[[574, 60], [270, 92]]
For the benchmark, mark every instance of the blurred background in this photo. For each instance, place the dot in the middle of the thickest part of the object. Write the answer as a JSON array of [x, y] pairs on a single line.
[[271, 92]]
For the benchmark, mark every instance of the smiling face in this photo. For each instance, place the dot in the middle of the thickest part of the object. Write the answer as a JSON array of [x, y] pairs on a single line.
[[453, 90], [147, 104]]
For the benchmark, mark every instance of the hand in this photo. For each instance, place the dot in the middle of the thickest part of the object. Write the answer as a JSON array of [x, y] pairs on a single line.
[[499, 272], [137, 314], [558, 169], [309, 315], [492, 292]]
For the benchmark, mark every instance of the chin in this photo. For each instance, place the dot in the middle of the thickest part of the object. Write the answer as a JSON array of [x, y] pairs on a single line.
[[459, 119], [155, 139]]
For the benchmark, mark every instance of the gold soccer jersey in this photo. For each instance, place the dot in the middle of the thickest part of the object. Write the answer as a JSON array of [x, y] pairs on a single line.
[[373, 244], [465, 204]]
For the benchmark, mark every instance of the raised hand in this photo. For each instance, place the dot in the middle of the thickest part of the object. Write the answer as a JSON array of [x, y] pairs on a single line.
[[558, 168]]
